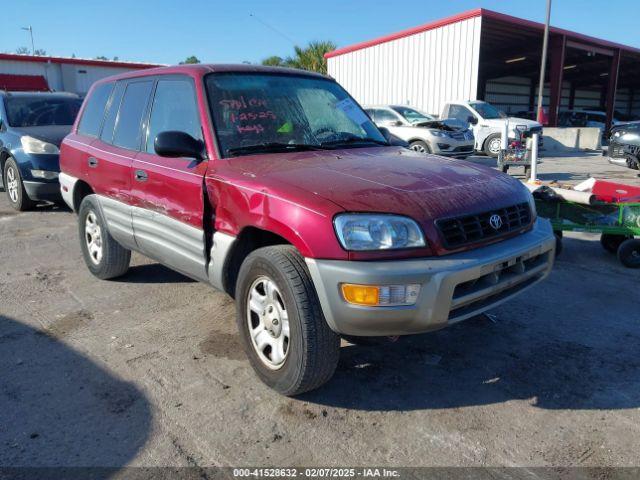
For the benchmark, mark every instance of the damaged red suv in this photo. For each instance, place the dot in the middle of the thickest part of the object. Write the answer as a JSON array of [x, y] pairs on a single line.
[[273, 185]]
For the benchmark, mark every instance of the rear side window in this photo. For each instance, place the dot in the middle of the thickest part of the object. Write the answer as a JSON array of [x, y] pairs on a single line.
[[128, 132], [174, 108], [94, 110], [112, 113]]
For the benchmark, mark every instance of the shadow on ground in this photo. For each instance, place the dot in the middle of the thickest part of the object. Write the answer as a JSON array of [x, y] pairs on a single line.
[[152, 273], [58, 408]]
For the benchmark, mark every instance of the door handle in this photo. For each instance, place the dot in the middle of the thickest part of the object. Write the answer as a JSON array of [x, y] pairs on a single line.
[[93, 162], [141, 175]]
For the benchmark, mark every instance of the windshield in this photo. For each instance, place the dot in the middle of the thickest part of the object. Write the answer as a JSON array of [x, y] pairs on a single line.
[[255, 113], [413, 116], [487, 111], [40, 111]]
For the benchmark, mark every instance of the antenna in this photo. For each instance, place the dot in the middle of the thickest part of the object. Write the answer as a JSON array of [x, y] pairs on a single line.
[[270, 27]]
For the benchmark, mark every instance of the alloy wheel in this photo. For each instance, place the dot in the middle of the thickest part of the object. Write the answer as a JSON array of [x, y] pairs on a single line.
[[12, 184], [93, 237], [268, 323], [418, 148]]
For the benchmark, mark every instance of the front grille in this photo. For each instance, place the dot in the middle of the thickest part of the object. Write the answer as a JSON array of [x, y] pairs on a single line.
[[464, 148], [616, 150], [459, 231]]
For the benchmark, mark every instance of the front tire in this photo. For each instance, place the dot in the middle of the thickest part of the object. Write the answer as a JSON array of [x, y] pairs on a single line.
[[420, 147], [493, 145], [288, 342], [14, 187], [105, 257]]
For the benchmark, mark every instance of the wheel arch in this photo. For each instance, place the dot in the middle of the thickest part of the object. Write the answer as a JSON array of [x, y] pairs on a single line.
[[80, 190], [249, 239]]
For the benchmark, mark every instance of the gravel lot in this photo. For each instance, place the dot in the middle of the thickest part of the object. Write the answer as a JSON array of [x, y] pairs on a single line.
[[147, 370]]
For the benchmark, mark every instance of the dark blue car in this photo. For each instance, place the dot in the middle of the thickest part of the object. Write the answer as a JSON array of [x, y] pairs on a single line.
[[32, 125]]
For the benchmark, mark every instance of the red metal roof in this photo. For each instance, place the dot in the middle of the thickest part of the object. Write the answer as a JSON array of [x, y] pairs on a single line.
[[75, 61], [478, 12], [23, 83]]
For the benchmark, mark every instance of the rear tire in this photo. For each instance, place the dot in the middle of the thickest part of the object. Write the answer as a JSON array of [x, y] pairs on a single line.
[[611, 242], [274, 284], [105, 257], [493, 145], [14, 187], [629, 253]]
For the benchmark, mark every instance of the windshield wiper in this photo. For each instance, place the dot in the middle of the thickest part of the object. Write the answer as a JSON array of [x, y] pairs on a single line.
[[272, 147], [353, 140]]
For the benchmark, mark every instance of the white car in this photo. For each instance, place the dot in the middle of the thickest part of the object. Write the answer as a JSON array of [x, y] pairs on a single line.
[[486, 121], [423, 132]]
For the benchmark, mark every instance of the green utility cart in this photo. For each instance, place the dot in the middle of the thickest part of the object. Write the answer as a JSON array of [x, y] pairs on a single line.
[[618, 224]]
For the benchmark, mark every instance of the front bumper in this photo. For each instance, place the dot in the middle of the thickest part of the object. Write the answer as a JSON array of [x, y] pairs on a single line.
[[43, 191], [453, 287], [454, 147], [617, 161]]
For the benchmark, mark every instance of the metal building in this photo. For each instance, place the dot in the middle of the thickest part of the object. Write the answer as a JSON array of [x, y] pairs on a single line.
[[75, 75], [486, 55]]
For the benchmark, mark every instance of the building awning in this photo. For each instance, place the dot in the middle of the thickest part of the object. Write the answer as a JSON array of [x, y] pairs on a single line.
[[23, 83]]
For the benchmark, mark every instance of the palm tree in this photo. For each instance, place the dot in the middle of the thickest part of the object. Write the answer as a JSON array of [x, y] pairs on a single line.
[[310, 57]]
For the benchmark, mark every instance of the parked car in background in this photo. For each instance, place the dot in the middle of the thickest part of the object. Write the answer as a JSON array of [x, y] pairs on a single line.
[[486, 121], [32, 125], [584, 118], [624, 145], [424, 133], [274, 186]]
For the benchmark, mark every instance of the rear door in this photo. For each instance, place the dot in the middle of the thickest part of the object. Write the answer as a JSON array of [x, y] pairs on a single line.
[[168, 192], [113, 153]]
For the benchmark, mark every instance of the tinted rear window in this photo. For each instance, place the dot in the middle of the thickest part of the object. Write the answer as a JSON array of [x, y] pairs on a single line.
[[94, 110], [128, 132], [112, 113], [40, 111]]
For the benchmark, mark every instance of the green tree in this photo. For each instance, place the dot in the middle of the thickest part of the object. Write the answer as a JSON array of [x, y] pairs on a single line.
[[40, 52], [23, 51], [190, 60], [310, 57], [273, 61]]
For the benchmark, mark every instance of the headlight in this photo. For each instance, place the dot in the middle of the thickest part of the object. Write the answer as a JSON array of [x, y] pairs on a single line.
[[46, 174], [438, 133], [360, 231], [33, 145]]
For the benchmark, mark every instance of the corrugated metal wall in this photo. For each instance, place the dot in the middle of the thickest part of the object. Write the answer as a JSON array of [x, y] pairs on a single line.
[[61, 77], [423, 70]]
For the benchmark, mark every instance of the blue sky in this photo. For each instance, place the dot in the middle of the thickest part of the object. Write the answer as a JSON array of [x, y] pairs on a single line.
[[166, 31]]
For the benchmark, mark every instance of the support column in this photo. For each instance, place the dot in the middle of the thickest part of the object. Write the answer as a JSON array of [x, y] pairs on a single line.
[[612, 85], [572, 96], [557, 45]]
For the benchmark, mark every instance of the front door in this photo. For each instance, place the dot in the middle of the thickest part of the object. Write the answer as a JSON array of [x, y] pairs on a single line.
[[168, 192]]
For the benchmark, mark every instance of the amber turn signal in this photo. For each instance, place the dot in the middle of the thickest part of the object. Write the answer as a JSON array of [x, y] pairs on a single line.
[[380, 295]]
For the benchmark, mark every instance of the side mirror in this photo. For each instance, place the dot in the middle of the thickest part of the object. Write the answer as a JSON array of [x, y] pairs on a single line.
[[472, 120], [178, 144], [392, 139]]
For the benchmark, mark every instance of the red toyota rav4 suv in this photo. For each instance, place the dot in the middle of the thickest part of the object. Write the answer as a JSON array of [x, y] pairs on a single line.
[[274, 186]]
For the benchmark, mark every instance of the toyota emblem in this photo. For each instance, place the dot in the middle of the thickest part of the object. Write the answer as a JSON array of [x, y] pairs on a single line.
[[495, 221]]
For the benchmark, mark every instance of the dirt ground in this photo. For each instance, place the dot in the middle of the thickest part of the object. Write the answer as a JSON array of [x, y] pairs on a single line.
[[147, 370]]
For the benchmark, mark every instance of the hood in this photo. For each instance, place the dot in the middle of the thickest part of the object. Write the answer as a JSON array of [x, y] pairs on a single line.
[[437, 125], [50, 133], [513, 121], [385, 180]]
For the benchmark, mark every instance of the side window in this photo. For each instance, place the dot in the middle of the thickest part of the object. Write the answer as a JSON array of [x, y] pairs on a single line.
[[128, 132], [385, 116], [174, 108], [94, 110], [112, 113], [459, 112]]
